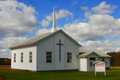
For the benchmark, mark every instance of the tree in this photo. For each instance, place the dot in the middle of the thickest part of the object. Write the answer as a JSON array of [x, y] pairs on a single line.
[[7, 61], [112, 54], [116, 59]]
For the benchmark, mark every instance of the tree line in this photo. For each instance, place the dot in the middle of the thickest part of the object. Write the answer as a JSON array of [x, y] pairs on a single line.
[[115, 58], [5, 61]]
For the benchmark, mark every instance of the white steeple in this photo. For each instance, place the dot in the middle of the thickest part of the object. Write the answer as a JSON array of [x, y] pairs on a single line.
[[54, 21]]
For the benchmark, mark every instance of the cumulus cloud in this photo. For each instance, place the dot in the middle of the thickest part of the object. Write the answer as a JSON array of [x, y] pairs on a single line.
[[104, 8], [117, 49], [105, 46], [43, 31], [5, 53], [8, 42], [16, 18], [99, 26], [60, 14], [44, 23]]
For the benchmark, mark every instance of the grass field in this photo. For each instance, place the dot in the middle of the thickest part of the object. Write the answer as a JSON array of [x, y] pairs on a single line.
[[112, 74]]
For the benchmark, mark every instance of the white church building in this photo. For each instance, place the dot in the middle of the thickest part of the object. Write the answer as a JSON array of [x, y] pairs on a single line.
[[55, 50]]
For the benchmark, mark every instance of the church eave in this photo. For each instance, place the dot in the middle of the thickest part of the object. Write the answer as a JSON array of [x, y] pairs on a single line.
[[42, 39], [21, 46], [56, 33]]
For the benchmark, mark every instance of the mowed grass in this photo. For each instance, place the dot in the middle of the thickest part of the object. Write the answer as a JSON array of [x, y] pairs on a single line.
[[112, 74]]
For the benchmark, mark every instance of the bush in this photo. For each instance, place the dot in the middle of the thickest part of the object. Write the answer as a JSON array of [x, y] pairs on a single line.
[[5, 61]]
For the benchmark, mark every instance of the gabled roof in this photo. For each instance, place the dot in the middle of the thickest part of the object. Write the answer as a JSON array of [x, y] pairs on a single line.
[[86, 53], [37, 39], [99, 61]]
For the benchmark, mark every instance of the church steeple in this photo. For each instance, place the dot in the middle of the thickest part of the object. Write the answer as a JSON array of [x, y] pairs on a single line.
[[54, 21]]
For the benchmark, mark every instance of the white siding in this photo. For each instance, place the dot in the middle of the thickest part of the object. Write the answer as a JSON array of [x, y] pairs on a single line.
[[50, 44], [84, 63], [74, 49], [39, 55], [25, 65], [42, 48], [59, 65], [108, 62]]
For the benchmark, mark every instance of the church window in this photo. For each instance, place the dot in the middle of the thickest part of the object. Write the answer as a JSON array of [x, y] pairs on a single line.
[[15, 57], [48, 57], [21, 57], [69, 57], [92, 58], [30, 57]]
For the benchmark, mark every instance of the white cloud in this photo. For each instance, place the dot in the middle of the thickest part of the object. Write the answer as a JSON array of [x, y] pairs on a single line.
[[60, 14], [42, 31], [4, 53], [79, 31], [16, 18], [10, 41], [117, 49], [84, 8], [99, 26], [3, 50], [105, 46], [104, 8], [44, 23]]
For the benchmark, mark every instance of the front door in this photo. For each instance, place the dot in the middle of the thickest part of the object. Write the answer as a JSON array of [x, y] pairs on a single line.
[[92, 66]]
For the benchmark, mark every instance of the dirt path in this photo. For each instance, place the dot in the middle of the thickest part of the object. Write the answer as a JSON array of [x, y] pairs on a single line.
[[5, 66]]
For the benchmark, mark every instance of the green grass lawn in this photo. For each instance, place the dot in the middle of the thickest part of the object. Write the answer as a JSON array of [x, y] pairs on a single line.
[[112, 74]]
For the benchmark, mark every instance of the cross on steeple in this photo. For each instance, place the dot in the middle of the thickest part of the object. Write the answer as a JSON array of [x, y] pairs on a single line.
[[60, 44]]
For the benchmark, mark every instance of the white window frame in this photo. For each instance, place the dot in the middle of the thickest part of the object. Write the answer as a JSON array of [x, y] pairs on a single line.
[[49, 57], [22, 57], [14, 57], [30, 57], [69, 57]]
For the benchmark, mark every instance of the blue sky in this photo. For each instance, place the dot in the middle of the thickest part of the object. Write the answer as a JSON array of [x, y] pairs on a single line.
[[95, 24]]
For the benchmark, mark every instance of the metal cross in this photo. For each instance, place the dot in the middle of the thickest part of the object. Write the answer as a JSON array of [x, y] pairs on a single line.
[[59, 49]]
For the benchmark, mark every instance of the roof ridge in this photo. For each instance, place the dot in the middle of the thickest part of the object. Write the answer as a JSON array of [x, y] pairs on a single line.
[[37, 39], [88, 52], [32, 40]]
